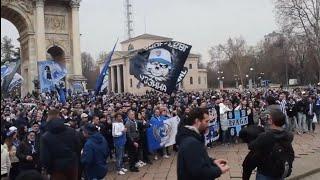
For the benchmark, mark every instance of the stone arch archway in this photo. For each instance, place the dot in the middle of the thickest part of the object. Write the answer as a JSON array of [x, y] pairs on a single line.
[[43, 24]]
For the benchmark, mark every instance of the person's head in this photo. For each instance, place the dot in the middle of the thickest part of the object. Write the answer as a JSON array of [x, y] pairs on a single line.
[[118, 117], [276, 118], [131, 115], [187, 110], [282, 96], [84, 117], [35, 127], [95, 120], [12, 133], [157, 112], [270, 100], [199, 118], [164, 112], [31, 136], [203, 105], [53, 114], [89, 129]]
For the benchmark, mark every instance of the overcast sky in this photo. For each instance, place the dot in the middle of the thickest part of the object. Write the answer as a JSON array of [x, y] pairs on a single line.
[[200, 23]]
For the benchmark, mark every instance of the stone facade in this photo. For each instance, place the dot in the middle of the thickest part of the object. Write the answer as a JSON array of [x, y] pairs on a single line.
[[121, 80], [43, 24]]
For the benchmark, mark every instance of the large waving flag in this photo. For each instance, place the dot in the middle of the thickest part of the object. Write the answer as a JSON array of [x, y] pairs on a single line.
[[103, 79], [8, 72], [162, 133], [50, 73], [16, 81], [161, 65]]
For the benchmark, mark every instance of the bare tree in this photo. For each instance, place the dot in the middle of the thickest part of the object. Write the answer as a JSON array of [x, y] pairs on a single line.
[[302, 17], [234, 51]]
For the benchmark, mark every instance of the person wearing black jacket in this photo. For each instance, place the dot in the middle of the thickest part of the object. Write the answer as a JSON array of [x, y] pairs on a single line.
[[302, 112], [292, 114], [268, 144], [248, 134], [143, 125], [193, 162], [28, 153], [60, 149]]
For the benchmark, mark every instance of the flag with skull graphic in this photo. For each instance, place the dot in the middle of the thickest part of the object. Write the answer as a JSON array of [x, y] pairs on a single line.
[[160, 65]]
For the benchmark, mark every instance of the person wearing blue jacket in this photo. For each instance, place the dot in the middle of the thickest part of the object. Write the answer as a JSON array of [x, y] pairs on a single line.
[[95, 153]]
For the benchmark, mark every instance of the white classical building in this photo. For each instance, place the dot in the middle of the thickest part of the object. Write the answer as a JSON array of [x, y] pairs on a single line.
[[121, 81]]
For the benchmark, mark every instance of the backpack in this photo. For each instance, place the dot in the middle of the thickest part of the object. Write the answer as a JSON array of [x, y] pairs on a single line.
[[280, 160]]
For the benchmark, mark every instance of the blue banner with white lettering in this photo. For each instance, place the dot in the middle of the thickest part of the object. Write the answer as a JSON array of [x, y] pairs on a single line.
[[236, 120], [103, 79], [50, 73], [161, 65]]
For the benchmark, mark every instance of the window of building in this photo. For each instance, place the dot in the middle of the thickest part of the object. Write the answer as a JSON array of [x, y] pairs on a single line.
[[199, 80], [130, 82], [130, 47], [191, 80], [190, 66]]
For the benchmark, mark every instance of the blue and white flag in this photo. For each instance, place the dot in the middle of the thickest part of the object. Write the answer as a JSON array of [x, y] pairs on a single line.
[[213, 132], [50, 73], [103, 79], [6, 69], [16, 81], [8, 72], [236, 120], [162, 133]]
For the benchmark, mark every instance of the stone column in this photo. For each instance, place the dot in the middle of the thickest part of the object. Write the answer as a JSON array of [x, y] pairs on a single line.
[[40, 31], [76, 53], [112, 79], [119, 79]]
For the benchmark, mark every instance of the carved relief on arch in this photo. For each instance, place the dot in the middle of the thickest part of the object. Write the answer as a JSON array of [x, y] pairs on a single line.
[[55, 23], [26, 5]]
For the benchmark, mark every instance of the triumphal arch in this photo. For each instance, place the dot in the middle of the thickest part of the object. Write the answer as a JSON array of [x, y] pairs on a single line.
[[46, 28]]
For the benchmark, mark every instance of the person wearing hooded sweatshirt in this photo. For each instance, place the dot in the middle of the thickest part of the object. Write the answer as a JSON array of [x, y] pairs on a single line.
[[60, 149], [95, 154], [273, 149], [193, 162]]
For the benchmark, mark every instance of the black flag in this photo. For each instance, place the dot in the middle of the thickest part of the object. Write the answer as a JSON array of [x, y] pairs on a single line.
[[160, 65]]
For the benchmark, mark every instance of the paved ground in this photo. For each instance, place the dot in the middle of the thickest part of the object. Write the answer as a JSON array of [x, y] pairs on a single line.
[[306, 146], [312, 177]]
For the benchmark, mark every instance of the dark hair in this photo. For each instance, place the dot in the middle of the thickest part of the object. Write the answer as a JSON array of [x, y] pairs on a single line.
[[53, 112], [195, 113], [30, 175], [278, 118], [271, 100]]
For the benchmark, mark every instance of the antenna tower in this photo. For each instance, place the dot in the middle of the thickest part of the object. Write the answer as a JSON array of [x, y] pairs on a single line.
[[129, 17]]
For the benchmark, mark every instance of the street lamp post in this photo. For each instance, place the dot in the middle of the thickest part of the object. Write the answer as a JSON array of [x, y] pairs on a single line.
[[252, 75], [220, 78]]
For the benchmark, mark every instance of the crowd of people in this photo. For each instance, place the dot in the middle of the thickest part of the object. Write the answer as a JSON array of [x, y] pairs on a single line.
[[76, 139]]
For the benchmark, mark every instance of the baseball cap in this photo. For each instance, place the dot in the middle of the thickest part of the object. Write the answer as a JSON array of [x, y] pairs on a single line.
[[160, 55]]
